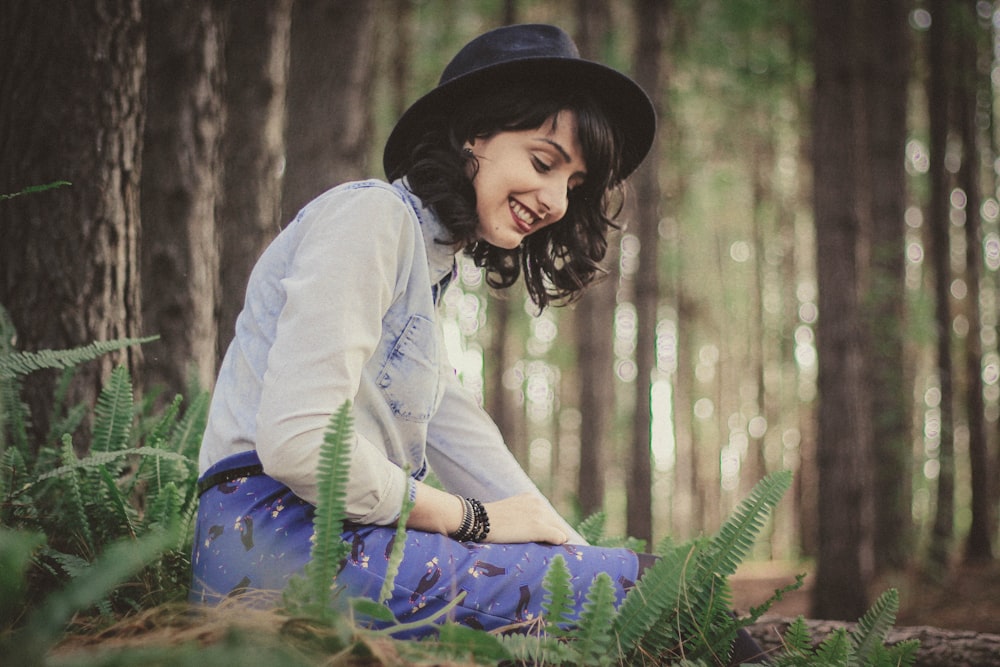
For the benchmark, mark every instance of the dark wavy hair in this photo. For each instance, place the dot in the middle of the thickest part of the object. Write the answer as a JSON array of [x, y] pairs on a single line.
[[560, 260]]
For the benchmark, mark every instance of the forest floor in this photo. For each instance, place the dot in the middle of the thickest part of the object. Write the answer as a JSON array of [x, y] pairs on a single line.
[[967, 599]]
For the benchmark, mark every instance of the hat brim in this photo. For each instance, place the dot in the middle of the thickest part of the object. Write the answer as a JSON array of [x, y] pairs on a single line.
[[625, 103]]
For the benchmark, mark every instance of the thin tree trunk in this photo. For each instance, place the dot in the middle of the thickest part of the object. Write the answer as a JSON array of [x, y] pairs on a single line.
[[253, 146], [71, 77], [889, 62], [978, 545], [651, 17], [844, 565], [593, 318], [329, 130], [939, 59], [180, 186]]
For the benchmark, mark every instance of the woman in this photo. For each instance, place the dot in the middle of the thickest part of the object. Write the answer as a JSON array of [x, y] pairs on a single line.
[[512, 159]]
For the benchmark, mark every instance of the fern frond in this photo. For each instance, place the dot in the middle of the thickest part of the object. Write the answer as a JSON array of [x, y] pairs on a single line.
[[736, 537], [120, 522], [779, 593], [75, 508], [557, 605], [904, 653], [398, 548], [97, 460], [468, 645], [873, 627], [15, 416], [22, 363], [797, 645], [186, 436], [535, 649], [595, 643], [835, 650], [592, 528], [314, 595], [653, 596], [113, 414]]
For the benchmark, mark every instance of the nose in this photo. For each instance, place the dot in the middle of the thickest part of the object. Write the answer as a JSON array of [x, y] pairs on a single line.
[[553, 201]]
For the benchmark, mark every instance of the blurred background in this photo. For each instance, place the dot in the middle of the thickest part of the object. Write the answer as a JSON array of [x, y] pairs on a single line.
[[806, 275]]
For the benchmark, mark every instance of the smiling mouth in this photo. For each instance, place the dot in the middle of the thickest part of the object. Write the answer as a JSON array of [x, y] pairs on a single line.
[[524, 217]]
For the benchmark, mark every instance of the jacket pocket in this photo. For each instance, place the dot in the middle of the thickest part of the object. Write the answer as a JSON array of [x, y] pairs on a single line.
[[410, 378]]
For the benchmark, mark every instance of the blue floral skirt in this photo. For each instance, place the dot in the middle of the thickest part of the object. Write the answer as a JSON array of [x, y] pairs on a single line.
[[252, 533]]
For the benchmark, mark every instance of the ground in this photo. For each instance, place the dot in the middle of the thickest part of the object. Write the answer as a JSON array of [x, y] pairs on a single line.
[[967, 599]]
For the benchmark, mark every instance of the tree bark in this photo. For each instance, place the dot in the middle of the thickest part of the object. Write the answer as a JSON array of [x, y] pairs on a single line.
[[938, 648], [253, 146], [330, 86], [71, 77], [843, 441], [593, 317], [651, 17], [181, 184], [888, 62], [978, 544], [938, 94]]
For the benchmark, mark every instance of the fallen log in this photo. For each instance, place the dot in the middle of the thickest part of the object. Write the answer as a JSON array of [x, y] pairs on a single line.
[[938, 647]]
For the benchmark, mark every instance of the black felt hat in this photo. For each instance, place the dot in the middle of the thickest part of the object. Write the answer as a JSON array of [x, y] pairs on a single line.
[[535, 53]]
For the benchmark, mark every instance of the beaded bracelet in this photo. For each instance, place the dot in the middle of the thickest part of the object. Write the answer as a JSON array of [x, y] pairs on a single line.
[[475, 524]]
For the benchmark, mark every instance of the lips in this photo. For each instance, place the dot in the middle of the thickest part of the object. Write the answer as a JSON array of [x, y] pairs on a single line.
[[522, 216]]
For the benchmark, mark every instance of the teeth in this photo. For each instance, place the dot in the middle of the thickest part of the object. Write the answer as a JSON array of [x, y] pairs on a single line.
[[521, 212]]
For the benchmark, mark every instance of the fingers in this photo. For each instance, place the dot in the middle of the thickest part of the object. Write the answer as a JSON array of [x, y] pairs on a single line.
[[524, 518]]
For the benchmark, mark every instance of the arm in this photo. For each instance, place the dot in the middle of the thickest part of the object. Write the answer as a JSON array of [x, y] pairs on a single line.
[[342, 274], [469, 456]]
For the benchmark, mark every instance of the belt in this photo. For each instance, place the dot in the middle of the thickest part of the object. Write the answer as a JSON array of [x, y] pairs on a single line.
[[213, 480]]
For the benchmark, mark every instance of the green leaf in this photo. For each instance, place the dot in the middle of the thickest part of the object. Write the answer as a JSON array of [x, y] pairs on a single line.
[[874, 626], [374, 610], [594, 639], [557, 604], [22, 363], [113, 414], [466, 643]]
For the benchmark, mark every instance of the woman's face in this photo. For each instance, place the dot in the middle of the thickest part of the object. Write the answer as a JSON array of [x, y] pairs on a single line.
[[524, 179]]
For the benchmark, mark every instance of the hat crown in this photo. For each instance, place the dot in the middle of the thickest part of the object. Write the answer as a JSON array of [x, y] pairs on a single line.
[[509, 44]]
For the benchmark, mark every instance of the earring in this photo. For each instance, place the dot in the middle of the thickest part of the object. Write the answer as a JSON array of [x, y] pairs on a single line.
[[467, 151]]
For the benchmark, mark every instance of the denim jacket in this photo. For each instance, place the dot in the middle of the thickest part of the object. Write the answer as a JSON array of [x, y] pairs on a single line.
[[342, 306]]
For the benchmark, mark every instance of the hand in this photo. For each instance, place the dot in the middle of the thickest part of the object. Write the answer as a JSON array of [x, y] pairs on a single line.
[[523, 518]]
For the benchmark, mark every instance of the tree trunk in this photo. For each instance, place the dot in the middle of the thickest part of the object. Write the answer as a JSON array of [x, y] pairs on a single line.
[[181, 184], [593, 320], [938, 648], [978, 545], [938, 93], [71, 77], [888, 60], [253, 147], [844, 566], [329, 130], [651, 23]]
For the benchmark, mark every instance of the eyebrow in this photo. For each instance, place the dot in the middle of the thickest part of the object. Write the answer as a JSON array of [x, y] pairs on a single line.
[[562, 151]]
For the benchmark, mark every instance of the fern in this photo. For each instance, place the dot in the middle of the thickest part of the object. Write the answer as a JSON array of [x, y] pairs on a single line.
[[736, 537], [113, 414], [558, 601], [835, 650], [398, 547], [653, 596], [16, 364], [596, 644], [875, 625], [313, 595], [592, 528]]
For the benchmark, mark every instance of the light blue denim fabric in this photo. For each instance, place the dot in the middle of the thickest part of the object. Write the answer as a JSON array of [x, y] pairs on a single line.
[[342, 306]]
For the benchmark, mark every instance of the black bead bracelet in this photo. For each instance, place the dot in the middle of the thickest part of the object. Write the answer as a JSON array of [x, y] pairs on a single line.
[[475, 524]]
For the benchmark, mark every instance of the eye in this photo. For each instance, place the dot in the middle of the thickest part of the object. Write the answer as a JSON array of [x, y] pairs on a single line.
[[540, 165]]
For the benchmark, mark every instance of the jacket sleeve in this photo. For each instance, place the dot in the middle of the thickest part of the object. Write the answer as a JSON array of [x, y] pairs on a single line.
[[350, 261], [468, 454]]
